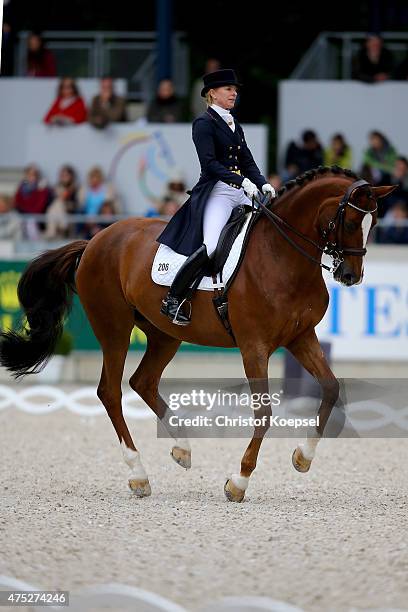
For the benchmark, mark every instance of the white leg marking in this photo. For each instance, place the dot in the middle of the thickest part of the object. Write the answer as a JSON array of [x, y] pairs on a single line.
[[241, 482], [132, 458], [183, 443], [308, 448]]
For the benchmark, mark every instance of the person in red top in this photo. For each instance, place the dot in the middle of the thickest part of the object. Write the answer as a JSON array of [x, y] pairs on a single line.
[[33, 195], [68, 108], [40, 61]]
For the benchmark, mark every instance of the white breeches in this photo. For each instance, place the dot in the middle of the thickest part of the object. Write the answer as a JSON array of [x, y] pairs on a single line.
[[222, 200]]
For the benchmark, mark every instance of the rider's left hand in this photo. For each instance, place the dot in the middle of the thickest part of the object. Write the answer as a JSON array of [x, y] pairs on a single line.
[[267, 188]]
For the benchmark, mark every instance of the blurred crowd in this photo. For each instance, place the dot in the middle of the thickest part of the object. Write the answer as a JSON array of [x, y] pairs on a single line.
[[381, 164], [68, 209], [60, 202]]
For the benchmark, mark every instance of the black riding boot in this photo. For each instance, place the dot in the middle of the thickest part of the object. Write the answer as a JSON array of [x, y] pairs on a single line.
[[172, 305]]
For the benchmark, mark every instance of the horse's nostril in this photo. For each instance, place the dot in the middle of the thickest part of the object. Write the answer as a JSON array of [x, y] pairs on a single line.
[[348, 279]]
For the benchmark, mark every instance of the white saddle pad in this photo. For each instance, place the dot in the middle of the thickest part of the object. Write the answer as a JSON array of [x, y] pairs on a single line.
[[167, 263]]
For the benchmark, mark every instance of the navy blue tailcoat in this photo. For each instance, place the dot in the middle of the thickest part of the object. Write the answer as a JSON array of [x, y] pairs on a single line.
[[222, 153]]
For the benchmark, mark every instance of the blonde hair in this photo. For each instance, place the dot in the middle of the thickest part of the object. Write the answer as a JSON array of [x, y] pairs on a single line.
[[209, 99]]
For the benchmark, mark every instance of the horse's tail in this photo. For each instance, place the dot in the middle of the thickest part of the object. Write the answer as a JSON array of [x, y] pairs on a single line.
[[45, 293]]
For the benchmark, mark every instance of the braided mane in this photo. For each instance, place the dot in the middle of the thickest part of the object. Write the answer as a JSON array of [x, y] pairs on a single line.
[[311, 174]]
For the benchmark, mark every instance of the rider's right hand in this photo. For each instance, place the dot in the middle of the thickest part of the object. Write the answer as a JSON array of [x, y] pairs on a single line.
[[250, 188]]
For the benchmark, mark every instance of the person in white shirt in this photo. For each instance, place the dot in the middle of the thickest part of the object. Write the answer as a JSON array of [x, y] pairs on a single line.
[[229, 178]]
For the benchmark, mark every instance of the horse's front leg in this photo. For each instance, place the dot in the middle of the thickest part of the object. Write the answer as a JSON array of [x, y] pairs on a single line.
[[256, 369], [309, 353]]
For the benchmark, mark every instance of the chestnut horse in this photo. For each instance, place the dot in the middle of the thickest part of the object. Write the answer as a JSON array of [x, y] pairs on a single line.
[[276, 300]]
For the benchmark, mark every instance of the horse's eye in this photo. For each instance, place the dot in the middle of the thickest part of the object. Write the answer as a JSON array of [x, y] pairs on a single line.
[[350, 226]]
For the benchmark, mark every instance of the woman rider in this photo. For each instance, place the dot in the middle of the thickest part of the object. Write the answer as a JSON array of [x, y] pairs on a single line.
[[229, 176]]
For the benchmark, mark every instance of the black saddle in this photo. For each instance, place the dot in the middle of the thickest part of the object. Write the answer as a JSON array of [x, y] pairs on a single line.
[[227, 237]]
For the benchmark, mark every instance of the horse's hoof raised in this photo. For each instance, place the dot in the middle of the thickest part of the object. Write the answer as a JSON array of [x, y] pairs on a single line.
[[140, 488], [233, 493], [300, 463], [181, 456]]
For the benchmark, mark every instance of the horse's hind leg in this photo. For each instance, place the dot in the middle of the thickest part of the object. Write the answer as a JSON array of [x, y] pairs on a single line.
[[308, 352], [112, 321], [160, 350]]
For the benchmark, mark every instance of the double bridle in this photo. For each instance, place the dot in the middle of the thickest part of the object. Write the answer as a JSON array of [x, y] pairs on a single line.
[[335, 249]]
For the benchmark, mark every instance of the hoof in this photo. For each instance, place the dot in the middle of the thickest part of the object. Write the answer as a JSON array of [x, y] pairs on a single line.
[[181, 456], [232, 493], [140, 488], [300, 463]]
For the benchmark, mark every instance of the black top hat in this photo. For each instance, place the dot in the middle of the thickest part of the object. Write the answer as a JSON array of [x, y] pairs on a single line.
[[218, 79]]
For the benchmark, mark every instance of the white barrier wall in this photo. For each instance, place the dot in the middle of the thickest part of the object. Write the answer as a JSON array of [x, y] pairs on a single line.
[[25, 101], [370, 321], [140, 159], [349, 107]]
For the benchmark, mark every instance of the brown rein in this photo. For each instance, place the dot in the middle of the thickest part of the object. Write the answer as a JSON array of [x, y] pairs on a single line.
[[332, 249]]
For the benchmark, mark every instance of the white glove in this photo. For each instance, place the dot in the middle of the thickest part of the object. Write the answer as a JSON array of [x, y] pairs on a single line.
[[250, 188], [267, 188]]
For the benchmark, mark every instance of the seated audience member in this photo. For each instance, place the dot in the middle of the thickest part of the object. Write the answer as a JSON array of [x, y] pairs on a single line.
[[64, 203], [40, 61], [166, 107], [96, 192], [198, 104], [168, 207], [10, 225], [68, 108], [373, 63], [153, 211], [33, 195], [339, 153], [107, 106], [401, 72], [32, 198], [276, 181], [396, 230], [304, 156], [107, 210], [176, 189], [379, 158]]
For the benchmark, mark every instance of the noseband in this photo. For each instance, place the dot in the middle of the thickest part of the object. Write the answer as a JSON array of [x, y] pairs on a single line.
[[334, 249]]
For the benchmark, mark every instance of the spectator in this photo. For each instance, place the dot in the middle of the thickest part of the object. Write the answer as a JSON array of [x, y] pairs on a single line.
[[373, 63], [198, 103], [10, 226], [40, 61], [32, 198], [166, 107], [107, 106], [304, 156], [176, 189], [153, 211], [96, 193], [401, 73], [107, 210], [396, 230], [68, 108], [275, 180], [33, 194], [400, 176], [339, 152], [379, 158], [8, 39], [65, 202], [168, 207]]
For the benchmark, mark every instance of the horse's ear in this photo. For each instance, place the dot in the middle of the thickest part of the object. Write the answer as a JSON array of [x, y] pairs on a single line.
[[383, 190]]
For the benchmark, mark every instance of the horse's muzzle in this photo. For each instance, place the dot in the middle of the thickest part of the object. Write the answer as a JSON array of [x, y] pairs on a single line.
[[346, 275]]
